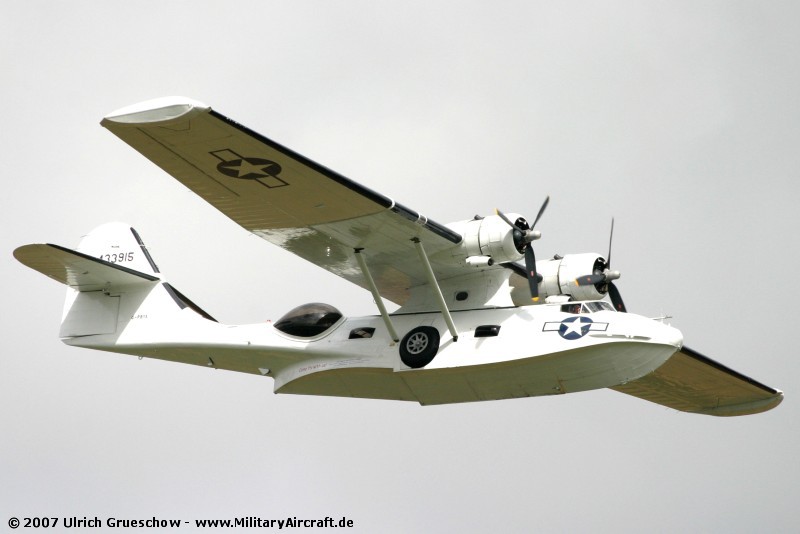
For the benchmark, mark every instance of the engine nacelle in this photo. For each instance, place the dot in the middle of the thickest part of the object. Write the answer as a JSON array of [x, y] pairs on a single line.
[[559, 275], [491, 237]]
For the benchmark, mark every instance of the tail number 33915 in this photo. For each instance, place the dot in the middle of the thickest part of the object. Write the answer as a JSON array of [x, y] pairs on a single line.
[[117, 257]]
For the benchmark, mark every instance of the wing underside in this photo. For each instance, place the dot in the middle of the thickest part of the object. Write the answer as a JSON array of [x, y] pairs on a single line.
[[286, 198], [691, 382]]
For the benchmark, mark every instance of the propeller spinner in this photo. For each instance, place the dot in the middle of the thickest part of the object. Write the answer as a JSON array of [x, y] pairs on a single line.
[[524, 235]]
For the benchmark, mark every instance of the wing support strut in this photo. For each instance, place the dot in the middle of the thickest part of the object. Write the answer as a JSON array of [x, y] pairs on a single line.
[[376, 295], [437, 291]]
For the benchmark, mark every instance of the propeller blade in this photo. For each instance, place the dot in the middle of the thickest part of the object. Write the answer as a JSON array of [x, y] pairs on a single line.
[[590, 279], [541, 210], [523, 235], [530, 268], [607, 277], [503, 216], [616, 299]]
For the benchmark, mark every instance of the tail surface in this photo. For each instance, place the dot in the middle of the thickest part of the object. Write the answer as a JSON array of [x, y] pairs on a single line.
[[120, 244], [111, 281]]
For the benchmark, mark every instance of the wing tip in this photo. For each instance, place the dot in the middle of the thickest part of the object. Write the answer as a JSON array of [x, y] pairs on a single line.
[[156, 112], [746, 408], [23, 253]]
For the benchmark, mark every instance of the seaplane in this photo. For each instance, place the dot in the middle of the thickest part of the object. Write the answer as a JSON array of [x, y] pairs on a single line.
[[478, 317]]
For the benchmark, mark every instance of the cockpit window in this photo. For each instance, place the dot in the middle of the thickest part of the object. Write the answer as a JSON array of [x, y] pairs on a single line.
[[600, 305], [573, 307], [587, 307], [308, 320]]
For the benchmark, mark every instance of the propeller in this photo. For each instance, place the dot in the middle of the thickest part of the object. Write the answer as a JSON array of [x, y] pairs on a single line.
[[524, 235], [606, 276]]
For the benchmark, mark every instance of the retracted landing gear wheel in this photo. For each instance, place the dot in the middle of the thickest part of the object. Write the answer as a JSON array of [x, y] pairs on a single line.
[[419, 346]]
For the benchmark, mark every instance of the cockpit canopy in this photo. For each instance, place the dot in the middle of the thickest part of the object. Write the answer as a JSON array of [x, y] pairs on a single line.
[[587, 307], [309, 320]]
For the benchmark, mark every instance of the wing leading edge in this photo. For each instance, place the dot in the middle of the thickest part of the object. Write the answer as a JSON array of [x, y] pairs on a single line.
[[284, 197], [691, 382]]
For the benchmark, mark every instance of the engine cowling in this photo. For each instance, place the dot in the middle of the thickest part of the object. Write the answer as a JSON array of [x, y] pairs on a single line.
[[558, 278], [559, 275], [492, 237]]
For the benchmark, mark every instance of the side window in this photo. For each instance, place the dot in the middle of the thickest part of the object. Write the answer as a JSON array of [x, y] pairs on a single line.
[[361, 333], [487, 330]]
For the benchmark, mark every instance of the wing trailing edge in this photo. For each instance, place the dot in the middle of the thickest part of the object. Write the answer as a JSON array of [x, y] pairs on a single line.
[[691, 382]]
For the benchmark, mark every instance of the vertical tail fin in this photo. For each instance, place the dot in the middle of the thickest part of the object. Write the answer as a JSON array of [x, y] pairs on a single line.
[[111, 279], [120, 244]]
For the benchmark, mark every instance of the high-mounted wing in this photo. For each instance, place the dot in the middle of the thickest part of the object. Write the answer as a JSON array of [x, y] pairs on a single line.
[[286, 198], [691, 382]]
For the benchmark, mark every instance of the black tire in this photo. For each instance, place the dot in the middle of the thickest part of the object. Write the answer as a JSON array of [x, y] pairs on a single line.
[[419, 346]]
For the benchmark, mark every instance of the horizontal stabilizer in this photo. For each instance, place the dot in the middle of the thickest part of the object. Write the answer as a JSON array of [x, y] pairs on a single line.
[[691, 382], [77, 270]]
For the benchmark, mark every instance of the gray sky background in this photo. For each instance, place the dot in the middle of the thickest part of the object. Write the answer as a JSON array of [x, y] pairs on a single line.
[[680, 119]]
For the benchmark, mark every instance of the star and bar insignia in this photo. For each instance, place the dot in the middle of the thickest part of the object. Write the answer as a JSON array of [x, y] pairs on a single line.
[[574, 327], [262, 170]]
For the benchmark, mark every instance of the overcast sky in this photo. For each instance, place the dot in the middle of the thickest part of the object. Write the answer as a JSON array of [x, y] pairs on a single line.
[[680, 119]]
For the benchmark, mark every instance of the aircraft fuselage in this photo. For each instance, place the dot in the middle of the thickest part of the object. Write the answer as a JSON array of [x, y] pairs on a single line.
[[500, 353]]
